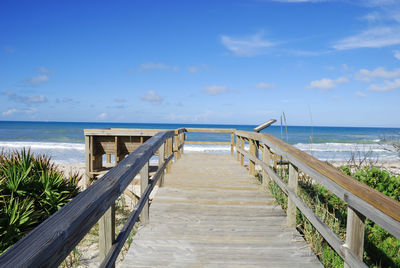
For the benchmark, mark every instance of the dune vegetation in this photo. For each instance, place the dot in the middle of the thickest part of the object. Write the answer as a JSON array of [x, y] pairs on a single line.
[[31, 189]]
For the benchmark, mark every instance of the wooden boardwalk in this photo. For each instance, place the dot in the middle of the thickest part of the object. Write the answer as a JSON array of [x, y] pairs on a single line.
[[211, 213]]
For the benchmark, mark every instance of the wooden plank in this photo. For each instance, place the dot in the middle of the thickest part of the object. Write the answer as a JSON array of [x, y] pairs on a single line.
[[210, 130], [205, 227], [144, 182], [337, 244], [122, 132], [355, 233], [106, 232], [208, 142], [291, 207], [232, 142], [237, 146], [88, 169], [242, 155], [161, 159], [49, 243], [266, 155], [252, 164], [374, 205], [113, 253]]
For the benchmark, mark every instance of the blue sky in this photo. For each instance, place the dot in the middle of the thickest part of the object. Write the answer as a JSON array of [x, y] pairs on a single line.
[[225, 62]]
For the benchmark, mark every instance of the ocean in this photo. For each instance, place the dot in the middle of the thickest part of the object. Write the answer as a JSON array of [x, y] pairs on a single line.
[[64, 141]]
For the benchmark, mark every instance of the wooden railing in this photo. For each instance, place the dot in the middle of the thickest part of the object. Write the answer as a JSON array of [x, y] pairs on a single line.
[[363, 202], [214, 130], [51, 242]]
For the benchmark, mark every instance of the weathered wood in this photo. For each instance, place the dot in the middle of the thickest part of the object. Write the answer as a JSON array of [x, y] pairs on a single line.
[[376, 206], [266, 155], [210, 130], [199, 220], [112, 255], [88, 176], [237, 146], [242, 155], [232, 142], [49, 243], [161, 159], [336, 243], [169, 153], [208, 142], [253, 152], [355, 233], [291, 207], [106, 232], [108, 158], [144, 182]]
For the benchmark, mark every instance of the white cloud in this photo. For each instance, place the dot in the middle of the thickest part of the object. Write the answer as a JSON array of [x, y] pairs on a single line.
[[120, 100], [10, 112], [248, 46], [193, 69], [396, 54], [326, 83], [102, 116], [300, 1], [345, 67], [152, 97], [215, 90], [360, 94], [380, 72], [157, 66], [25, 99], [371, 38], [264, 86], [386, 86], [37, 80]]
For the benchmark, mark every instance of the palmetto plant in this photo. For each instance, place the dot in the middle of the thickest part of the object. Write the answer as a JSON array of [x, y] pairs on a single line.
[[31, 189]]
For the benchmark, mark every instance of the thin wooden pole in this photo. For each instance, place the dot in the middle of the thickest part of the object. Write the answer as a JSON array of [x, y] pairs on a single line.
[[237, 146], [252, 164], [144, 182], [176, 144], [266, 155], [169, 152], [232, 142], [292, 184], [88, 167], [106, 232], [242, 155], [355, 229], [161, 160]]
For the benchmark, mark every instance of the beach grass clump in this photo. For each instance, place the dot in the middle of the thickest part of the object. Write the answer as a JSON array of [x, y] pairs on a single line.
[[380, 248], [31, 189]]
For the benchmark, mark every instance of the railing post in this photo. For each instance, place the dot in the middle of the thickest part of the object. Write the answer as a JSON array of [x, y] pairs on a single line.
[[355, 229], [182, 142], [88, 161], [106, 232], [253, 152], [242, 147], [144, 182], [266, 155], [232, 142], [108, 158], [237, 146], [161, 160], [169, 152], [176, 145], [292, 184]]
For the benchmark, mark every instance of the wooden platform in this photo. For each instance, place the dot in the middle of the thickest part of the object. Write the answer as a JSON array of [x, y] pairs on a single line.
[[211, 213]]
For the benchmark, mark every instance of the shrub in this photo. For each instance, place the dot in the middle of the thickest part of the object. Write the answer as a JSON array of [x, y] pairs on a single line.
[[31, 189]]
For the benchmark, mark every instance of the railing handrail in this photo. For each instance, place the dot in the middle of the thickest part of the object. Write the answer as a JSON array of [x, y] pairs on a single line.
[[51, 242], [362, 200]]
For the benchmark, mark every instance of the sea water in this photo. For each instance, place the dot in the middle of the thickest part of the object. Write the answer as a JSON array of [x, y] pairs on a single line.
[[64, 141]]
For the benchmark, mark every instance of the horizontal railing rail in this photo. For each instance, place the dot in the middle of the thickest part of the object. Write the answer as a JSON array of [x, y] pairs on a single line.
[[51, 242], [363, 201], [214, 130]]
